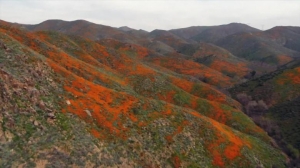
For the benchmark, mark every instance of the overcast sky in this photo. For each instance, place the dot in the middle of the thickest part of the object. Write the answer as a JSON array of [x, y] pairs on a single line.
[[155, 14]]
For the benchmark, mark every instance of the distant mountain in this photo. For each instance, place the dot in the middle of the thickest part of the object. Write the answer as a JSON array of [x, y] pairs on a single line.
[[269, 46], [189, 32], [82, 28], [167, 37], [125, 28], [215, 33], [286, 36]]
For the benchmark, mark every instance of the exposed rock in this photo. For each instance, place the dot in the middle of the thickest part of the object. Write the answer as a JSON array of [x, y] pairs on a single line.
[[33, 92], [35, 123], [88, 112], [42, 105], [51, 115], [9, 136]]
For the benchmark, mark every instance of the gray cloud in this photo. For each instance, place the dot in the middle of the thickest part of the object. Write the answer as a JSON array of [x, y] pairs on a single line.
[[155, 14]]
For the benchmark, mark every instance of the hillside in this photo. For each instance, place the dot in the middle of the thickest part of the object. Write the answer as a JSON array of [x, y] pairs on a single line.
[[276, 46], [285, 35], [221, 60], [207, 55], [81, 28], [72, 101], [173, 43], [272, 100], [269, 47]]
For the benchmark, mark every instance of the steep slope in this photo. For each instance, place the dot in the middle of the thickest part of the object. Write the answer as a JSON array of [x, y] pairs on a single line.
[[274, 88], [131, 129], [221, 60], [272, 100], [175, 63], [215, 33], [191, 68], [34, 132], [159, 76], [205, 54]]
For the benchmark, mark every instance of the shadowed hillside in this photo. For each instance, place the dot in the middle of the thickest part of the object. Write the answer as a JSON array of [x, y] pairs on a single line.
[[272, 100]]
